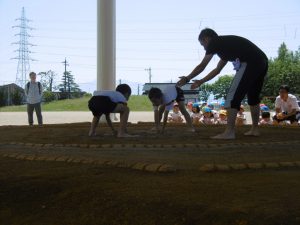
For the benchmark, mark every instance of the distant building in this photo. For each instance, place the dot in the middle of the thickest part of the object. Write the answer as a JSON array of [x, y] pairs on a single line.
[[8, 90], [190, 95]]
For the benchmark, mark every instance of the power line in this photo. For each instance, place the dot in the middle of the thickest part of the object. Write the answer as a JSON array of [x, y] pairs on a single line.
[[23, 56]]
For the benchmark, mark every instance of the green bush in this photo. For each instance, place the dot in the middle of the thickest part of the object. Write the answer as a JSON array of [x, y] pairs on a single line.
[[17, 98], [2, 98], [87, 95], [48, 96], [268, 102]]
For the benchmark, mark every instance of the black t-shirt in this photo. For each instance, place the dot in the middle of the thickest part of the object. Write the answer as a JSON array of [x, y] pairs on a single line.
[[231, 47]]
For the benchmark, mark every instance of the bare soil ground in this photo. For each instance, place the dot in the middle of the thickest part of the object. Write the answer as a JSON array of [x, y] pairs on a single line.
[[34, 192]]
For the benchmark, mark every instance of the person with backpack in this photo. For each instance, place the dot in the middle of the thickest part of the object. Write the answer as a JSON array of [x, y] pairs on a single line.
[[34, 93]]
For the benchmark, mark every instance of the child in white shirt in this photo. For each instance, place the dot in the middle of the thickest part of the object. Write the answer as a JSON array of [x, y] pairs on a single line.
[[175, 116], [241, 117]]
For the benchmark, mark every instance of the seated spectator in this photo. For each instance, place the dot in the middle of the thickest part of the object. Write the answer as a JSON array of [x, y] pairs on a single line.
[[264, 108], [175, 116], [204, 104], [208, 117], [222, 106], [189, 107], [241, 117], [265, 118], [286, 107], [222, 117], [196, 115], [214, 112]]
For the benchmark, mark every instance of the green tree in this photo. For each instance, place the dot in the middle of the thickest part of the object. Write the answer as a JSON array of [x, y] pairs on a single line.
[[47, 80], [68, 84], [221, 86], [17, 97], [2, 98], [204, 92], [284, 69]]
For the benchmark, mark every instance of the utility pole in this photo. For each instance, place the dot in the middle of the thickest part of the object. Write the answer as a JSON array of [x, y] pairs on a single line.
[[138, 89], [149, 70], [23, 56], [65, 74], [120, 81], [66, 78]]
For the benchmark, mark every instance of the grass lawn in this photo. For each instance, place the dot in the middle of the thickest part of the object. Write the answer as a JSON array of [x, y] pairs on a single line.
[[136, 103]]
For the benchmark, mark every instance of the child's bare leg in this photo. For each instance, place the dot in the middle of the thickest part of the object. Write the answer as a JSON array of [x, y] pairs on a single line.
[[124, 114], [108, 120], [94, 125], [186, 116]]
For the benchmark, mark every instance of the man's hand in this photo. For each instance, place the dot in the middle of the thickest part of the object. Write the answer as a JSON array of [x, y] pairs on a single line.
[[196, 84], [183, 81]]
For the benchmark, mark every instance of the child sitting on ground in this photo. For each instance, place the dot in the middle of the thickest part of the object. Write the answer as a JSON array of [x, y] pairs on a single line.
[[106, 102], [213, 111], [208, 116], [241, 117], [189, 107], [175, 116], [196, 115], [163, 101], [265, 118], [222, 117]]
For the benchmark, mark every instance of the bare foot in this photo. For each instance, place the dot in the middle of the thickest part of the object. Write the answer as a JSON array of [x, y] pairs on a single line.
[[252, 132], [191, 129], [92, 134], [224, 136], [126, 135]]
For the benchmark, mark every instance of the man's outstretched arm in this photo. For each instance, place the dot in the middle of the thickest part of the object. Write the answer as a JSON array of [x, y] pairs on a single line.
[[211, 75], [198, 69]]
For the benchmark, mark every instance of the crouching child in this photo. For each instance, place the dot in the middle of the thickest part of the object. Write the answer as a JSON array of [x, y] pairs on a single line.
[[163, 101], [106, 102]]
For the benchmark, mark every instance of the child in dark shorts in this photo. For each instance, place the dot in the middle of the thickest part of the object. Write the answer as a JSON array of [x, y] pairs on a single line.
[[106, 102], [163, 101]]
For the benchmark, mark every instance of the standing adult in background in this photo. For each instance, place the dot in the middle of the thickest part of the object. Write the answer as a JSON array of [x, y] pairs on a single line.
[[34, 93], [251, 65]]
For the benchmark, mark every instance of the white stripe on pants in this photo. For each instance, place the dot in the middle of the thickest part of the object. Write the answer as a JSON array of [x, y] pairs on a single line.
[[234, 85]]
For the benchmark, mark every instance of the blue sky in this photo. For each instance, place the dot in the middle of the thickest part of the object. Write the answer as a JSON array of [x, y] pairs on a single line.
[[150, 33]]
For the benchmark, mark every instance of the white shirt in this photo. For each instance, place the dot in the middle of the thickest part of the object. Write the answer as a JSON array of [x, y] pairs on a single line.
[[169, 95], [207, 120], [114, 96], [175, 116], [33, 94], [288, 105], [196, 115]]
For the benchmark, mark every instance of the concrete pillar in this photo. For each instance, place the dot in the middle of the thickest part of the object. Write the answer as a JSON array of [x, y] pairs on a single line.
[[106, 44]]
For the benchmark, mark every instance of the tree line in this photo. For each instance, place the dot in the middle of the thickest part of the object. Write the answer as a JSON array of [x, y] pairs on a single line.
[[67, 88]]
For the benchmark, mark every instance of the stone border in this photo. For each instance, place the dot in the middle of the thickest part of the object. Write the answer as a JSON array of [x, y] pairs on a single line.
[[151, 167], [142, 166], [154, 167], [129, 146], [247, 166]]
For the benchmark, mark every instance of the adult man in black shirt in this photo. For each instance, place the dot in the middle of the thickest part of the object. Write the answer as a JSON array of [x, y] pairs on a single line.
[[251, 65]]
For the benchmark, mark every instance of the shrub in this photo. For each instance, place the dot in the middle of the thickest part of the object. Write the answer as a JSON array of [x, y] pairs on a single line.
[[48, 96], [2, 98], [17, 97]]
